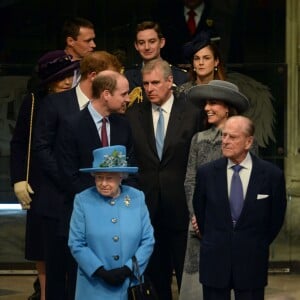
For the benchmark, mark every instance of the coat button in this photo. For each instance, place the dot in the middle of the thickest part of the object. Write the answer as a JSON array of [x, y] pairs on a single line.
[[112, 202], [114, 220], [115, 238], [116, 257]]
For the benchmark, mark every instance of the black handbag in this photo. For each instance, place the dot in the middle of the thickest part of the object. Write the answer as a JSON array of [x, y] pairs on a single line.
[[143, 290]]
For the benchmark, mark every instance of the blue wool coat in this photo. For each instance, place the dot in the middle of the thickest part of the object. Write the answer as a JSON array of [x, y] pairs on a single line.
[[108, 232]]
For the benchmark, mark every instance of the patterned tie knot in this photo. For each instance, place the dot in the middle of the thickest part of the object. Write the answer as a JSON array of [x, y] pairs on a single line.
[[237, 168]]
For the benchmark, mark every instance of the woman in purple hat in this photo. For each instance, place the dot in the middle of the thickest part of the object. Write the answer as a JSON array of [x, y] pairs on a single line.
[[55, 71]]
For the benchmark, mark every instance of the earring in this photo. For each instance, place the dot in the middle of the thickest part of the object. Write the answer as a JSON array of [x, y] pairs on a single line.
[[216, 69], [194, 69]]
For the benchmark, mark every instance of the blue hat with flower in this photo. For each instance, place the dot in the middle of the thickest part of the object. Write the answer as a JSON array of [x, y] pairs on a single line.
[[110, 159]]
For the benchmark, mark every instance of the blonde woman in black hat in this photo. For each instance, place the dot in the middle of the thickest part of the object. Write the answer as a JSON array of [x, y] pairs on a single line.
[[220, 100], [55, 70]]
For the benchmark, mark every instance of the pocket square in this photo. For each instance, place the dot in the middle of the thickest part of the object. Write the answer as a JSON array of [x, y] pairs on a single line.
[[261, 196]]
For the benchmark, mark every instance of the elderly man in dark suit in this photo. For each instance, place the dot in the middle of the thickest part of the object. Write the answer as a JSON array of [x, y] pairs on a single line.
[[162, 130], [53, 109], [239, 203]]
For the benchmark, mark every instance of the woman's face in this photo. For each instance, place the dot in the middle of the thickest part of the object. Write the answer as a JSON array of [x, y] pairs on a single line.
[[61, 85], [204, 63], [217, 112], [108, 184]]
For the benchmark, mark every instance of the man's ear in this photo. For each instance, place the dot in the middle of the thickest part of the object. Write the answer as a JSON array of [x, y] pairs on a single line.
[[70, 41], [135, 46], [249, 142], [162, 42], [106, 94]]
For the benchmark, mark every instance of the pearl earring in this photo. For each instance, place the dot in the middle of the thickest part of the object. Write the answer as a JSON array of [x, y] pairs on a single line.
[[216, 69]]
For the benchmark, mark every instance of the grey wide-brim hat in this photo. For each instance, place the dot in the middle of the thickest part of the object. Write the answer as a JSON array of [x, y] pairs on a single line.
[[219, 90]]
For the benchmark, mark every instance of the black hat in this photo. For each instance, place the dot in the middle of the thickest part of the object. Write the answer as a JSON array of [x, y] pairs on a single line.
[[219, 90], [55, 65], [201, 40]]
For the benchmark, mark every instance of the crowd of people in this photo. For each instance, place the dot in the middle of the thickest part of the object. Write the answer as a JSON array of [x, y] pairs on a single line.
[[105, 177]]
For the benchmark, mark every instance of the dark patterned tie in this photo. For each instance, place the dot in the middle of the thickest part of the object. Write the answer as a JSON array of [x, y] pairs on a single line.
[[236, 194], [191, 23], [104, 138]]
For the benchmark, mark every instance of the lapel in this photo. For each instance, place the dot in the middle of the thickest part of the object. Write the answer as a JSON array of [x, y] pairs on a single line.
[[174, 125], [90, 128], [146, 120], [220, 175], [255, 181], [137, 76]]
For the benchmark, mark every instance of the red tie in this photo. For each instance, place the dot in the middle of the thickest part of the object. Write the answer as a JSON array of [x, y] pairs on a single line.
[[191, 23], [104, 138]]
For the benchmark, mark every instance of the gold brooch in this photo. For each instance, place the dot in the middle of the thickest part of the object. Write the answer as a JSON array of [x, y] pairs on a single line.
[[127, 201], [209, 22]]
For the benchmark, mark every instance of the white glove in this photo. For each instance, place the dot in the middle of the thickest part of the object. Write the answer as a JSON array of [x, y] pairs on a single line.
[[22, 191]]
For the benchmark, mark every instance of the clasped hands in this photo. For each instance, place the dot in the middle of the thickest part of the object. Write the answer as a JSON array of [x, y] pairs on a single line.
[[113, 277], [22, 191], [195, 226]]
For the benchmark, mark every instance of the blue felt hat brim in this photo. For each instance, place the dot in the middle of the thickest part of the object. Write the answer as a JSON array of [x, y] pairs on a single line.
[[111, 169]]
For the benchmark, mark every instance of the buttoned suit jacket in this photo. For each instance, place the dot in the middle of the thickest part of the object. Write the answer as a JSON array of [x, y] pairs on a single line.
[[78, 137], [53, 109], [162, 181], [239, 253]]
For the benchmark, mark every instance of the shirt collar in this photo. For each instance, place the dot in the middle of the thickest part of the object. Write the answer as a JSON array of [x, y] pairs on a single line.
[[82, 98], [246, 163], [95, 115], [198, 10], [167, 106]]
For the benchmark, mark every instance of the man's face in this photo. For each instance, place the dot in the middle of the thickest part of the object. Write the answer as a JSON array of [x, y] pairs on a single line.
[[157, 88], [235, 141], [119, 99], [84, 44], [148, 44]]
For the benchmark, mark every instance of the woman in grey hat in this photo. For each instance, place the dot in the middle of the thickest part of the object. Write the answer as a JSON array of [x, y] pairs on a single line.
[[220, 100]]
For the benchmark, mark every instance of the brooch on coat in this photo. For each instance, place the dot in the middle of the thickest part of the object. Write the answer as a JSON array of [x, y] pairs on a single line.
[[127, 201]]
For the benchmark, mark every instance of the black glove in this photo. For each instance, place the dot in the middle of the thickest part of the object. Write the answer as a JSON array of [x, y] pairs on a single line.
[[114, 276]]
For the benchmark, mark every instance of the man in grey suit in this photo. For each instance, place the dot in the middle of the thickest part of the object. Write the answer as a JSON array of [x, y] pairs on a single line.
[[162, 166], [237, 231]]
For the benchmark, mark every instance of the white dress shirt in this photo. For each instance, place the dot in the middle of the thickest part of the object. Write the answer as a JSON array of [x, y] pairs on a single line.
[[245, 173], [83, 100], [198, 13], [166, 108]]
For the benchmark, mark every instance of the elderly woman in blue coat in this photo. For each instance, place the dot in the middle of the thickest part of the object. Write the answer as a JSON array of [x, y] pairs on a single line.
[[109, 225]]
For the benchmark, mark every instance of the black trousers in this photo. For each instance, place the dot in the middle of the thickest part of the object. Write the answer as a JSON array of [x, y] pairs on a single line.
[[210, 293], [168, 255], [61, 268]]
